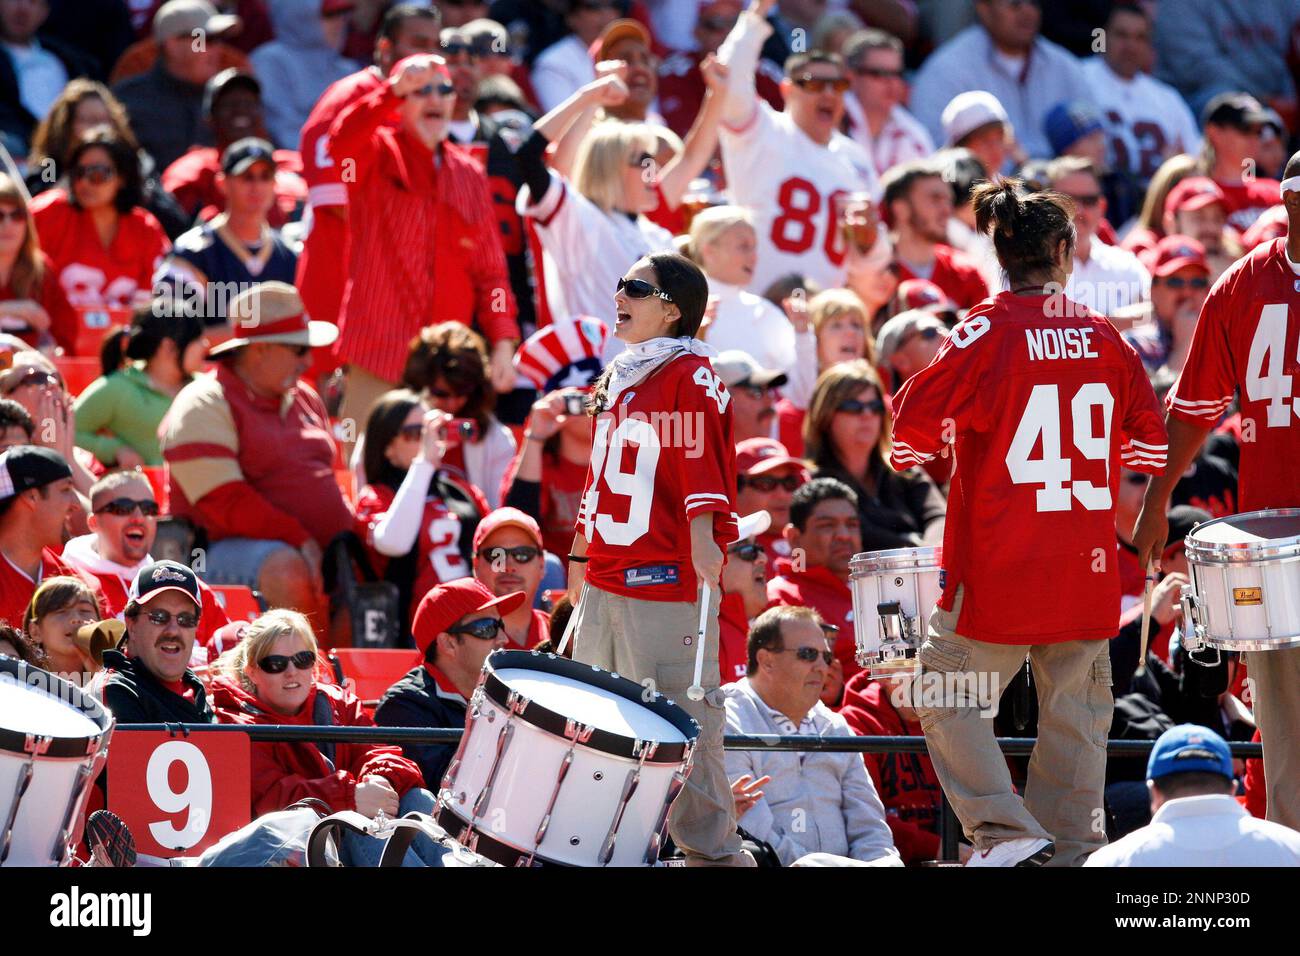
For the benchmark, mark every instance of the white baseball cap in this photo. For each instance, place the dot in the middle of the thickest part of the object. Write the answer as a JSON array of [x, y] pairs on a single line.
[[968, 111], [752, 525]]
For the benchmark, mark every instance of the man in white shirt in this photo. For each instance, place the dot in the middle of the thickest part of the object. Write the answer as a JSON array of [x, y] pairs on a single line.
[[1005, 55], [874, 106], [1195, 819], [1105, 278], [565, 66], [1147, 121], [816, 804], [41, 75]]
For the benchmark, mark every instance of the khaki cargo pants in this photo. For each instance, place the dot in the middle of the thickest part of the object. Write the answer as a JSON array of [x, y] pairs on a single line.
[[1276, 705], [1063, 798], [655, 640]]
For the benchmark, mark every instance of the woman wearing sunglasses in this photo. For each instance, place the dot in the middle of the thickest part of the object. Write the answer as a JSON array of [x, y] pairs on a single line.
[[105, 246], [270, 678], [144, 365], [30, 296], [416, 517], [846, 436]]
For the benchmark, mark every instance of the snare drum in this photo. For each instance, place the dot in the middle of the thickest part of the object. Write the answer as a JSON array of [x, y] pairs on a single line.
[[894, 593], [565, 764], [1245, 590], [53, 741]]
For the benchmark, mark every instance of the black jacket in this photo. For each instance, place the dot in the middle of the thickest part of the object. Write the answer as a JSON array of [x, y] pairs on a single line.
[[135, 696], [899, 507], [417, 701]]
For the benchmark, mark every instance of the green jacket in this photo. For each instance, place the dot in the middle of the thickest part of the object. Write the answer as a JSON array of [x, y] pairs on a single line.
[[121, 409]]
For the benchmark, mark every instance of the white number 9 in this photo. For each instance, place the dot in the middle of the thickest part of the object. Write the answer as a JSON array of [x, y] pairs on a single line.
[[196, 798]]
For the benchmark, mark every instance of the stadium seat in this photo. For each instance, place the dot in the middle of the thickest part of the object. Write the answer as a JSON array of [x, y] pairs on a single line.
[[77, 372], [371, 671], [92, 325], [241, 603], [157, 475]]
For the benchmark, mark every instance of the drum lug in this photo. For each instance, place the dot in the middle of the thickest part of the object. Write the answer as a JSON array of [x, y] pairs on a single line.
[[629, 789], [37, 745], [545, 825], [648, 746], [657, 835], [24, 780], [517, 702], [503, 743], [578, 733]]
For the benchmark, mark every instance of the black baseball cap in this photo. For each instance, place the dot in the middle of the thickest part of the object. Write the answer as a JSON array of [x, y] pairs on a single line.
[[241, 155], [25, 467], [161, 576], [1183, 520], [1235, 109], [228, 79]]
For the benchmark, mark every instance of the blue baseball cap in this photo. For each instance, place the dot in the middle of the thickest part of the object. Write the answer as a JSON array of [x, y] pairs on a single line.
[[1189, 748], [1067, 123]]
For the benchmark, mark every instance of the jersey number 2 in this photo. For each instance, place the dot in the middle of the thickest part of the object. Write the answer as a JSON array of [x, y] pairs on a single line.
[[1042, 416]]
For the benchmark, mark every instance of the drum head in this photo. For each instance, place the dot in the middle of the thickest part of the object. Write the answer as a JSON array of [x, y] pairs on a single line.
[[36, 702], [1254, 528]]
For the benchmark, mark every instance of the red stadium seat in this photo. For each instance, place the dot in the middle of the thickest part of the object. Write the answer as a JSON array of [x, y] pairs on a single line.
[[241, 603], [371, 671], [92, 324], [157, 475], [77, 372]]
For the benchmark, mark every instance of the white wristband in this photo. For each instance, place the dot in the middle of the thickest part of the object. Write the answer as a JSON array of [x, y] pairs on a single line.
[[1290, 185]]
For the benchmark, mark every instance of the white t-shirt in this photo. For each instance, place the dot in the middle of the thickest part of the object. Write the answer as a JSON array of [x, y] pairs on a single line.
[[1111, 279], [788, 181], [585, 251], [751, 324], [901, 140], [560, 70], [1146, 120], [1208, 831]]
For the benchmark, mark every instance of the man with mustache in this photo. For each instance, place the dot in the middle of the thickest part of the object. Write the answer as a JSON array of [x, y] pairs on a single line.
[[751, 392]]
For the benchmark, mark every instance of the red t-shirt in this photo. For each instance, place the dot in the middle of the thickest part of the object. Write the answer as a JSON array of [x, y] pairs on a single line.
[[16, 588], [955, 273], [1247, 201], [661, 457], [1045, 408], [539, 629], [50, 297], [819, 588], [1246, 342], [733, 639]]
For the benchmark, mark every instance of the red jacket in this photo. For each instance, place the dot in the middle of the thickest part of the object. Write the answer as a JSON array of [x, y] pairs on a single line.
[[284, 773], [733, 639], [424, 244], [819, 588], [906, 782]]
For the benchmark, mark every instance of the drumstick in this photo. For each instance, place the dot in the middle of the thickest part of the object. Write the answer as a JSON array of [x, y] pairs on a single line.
[[1146, 619], [568, 628], [696, 690]]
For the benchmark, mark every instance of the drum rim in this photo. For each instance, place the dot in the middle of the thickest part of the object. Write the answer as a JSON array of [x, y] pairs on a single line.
[[15, 741], [487, 845], [605, 741], [896, 559], [1230, 553]]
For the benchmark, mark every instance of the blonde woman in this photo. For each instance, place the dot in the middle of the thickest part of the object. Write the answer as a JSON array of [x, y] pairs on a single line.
[[32, 304], [846, 436], [270, 678]]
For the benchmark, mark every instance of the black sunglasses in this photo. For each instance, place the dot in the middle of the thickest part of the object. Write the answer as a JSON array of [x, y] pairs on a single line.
[[757, 391], [121, 507], [455, 48], [806, 654], [485, 628], [746, 552], [13, 215], [640, 289], [854, 407], [35, 377], [279, 663], [771, 482], [1137, 478], [814, 84], [1200, 282], [442, 89], [412, 432], [524, 554], [185, 619], [97, 173], [726, 24]]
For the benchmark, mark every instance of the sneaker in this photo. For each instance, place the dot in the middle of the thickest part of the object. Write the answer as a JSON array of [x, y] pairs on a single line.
[[1029, 851]]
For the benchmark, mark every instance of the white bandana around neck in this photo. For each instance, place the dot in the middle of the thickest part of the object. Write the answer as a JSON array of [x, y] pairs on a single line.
[[634, 363]]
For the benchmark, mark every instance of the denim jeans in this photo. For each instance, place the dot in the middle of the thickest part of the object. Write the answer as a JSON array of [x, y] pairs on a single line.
[[361, 850]]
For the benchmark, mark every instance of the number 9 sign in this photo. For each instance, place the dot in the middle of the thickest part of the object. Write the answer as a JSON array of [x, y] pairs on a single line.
[[179, 796]]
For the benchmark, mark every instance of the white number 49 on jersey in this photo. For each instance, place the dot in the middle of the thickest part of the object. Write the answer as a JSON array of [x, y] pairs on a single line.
[[713, 387]]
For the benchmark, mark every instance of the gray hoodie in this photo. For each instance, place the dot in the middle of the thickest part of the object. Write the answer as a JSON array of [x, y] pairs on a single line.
[[295, 68]]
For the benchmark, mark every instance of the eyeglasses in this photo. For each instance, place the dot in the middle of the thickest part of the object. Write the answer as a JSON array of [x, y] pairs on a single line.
[[746, 552], [1177, 282], [13, 215], [456, 48], [771, 482], [412, 432], [485, 628], [929, 334], [445, 394], [758, 391], [185, 619], [524, 554], [805, 654], [279, 663], [854, 407], [1088, 201], [640, 289], [121, 507], [442, 89], [878, 74], [818, 84], [97, 173]]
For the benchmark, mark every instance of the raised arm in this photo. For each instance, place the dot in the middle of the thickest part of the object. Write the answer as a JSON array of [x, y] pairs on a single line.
[[701, 140], [739, 52], [564, 151]]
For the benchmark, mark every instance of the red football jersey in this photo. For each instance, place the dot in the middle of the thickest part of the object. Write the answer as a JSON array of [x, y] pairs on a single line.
[[1044, 401], [1247, 201], [659, 458], [438, 542], [16, 588], [956, 274], [1247, 341]]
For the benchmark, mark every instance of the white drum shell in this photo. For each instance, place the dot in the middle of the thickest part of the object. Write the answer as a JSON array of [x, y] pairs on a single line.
[[909, 576], [526, 779], [41, 812]]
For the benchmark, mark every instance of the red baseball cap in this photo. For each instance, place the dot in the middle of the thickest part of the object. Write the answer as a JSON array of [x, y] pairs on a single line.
[[1174, 252], [1194, 192], [924, 294], [502, 518], [758, 456], [446, 604]]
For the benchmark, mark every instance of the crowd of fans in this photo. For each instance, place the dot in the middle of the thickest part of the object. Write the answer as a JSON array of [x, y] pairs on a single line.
[[343, 270]]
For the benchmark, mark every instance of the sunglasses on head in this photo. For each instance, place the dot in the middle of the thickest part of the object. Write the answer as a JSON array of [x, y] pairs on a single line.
[[524, 554], [854, 407], [13, 215], [485, 628], [185, 619], [1178, 282], [640, 289], [747, 552], [807, 654], [36, 377], [97, 173], [279, 663], [442, 89], [817, 84], [771, 482], [121, 507]]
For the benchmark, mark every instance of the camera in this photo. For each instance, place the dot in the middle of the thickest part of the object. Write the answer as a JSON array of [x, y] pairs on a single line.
[[575, 404]]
